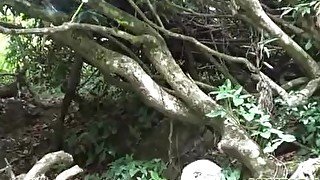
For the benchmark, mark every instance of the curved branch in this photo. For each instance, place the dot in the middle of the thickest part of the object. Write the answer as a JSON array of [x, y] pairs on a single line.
[[66, 174], [108, 61], [43, 165], [154, 13], [294, 83]]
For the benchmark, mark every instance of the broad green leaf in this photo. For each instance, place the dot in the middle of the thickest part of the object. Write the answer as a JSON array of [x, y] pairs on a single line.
[[255, 110], [216, 113], [266, 134], [269, 149], [276, 131], [221, 96], [237, 101], [154, 175], [266, 124], [238, 91], [133, 172], [287, 138], [265, 118], [248, 116], [273, 147]]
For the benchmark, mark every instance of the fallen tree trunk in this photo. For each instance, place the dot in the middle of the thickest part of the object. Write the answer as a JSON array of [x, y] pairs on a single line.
[[42, 166]]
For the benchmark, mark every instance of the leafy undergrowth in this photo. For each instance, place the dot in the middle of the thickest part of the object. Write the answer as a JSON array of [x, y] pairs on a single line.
[[290, 134], [98, 139], [128, 168], [101, 135]]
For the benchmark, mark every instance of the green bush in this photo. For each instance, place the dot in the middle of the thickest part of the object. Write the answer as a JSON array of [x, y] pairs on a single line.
[[244, 110], [127, 168], [304, 120], [91, 144]]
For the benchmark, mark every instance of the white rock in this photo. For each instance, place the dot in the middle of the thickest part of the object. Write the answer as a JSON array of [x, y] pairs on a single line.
[[201, 170]]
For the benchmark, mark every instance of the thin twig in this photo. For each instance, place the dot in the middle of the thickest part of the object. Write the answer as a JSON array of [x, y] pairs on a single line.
[[154, 13], [77, 12]]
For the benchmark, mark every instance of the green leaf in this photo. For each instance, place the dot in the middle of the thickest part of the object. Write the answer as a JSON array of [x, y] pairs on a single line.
[[154, 175], [133, 172], [248, 105], [221, 96], [269, 149], [274, 146], [237, 101], [216, 113], [308, 45], [266, 124], [255, 110], [276, 131], [144, 171], [228, 84], [287, 138], [238, 91], [265, 135], [248, 116], [265, 118]]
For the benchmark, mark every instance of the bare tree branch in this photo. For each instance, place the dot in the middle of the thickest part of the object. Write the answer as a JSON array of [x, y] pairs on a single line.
[[66, 174], [44, 164]]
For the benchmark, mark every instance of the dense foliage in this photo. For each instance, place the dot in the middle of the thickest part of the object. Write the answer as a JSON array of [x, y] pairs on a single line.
[[164, 83]]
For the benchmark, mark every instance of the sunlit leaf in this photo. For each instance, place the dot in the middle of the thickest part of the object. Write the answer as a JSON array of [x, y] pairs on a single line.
[[216, 113], [308, 45], [287, 138], [238, 91], [237, 101], [271, 148], [265, 134], [248, 116]]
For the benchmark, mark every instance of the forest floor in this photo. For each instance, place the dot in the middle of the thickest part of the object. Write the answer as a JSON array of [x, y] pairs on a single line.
[[25, 132]]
